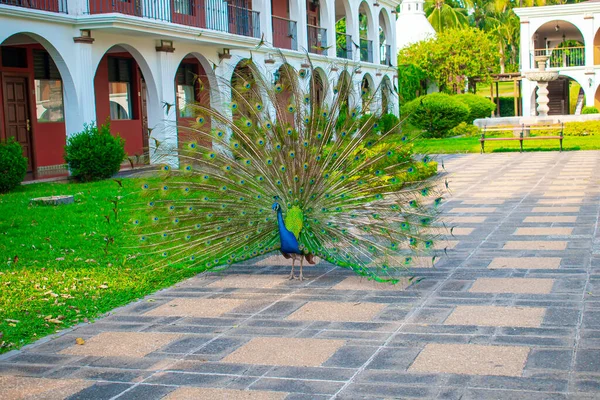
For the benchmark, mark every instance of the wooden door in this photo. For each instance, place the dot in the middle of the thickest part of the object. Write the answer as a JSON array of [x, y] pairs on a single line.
[[144, 116], [16, 111]]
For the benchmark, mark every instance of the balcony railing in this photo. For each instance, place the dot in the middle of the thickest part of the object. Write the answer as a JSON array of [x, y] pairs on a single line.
[[366, 50], [45, 5], [561, 57], [344, 45], [284, 33], [385, 55], [317, 39], [210, 14]]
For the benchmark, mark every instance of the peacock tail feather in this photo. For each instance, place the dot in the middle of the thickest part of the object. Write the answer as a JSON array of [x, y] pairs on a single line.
[[344, 182]]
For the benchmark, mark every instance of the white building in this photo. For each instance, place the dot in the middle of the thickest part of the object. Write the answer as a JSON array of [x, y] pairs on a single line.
[[412, 25], [64, 63], [569, 35]]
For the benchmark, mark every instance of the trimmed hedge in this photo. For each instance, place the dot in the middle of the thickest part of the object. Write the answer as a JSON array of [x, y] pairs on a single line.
[[479, 106], [590, 110], [436, 113], [13, 165], [94, 154]]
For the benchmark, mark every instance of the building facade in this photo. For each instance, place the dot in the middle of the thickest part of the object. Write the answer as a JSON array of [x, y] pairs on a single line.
[[66, 63], [569, 35]]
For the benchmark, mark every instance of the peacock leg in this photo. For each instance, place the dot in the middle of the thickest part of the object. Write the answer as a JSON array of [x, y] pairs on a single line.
[[301, 261], [292, 272]]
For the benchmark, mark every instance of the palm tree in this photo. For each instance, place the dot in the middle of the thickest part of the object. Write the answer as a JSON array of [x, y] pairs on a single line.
[[444, 14]]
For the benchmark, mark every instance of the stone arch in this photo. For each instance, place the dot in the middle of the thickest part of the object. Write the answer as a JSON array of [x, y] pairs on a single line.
[[141, 94], [386, 94], [285, 78], [563, 94], [366, 33], [345, 91], [51, 102], [318, 86], [562, 41], [385, 38], [345, 24], [244, 91]]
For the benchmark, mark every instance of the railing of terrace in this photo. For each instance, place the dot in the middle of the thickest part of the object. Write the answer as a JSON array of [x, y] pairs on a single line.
[[59, 6], [210, 14], [366, 50], [561, 57], [285, 33], [317, 39], [344, 45]]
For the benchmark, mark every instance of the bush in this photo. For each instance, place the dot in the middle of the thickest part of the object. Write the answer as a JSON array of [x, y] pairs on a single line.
[[507, 107], [479, 107], [590, 110], [436, 113], [13, 165], [465, 129], [94, 153], [388, 121]]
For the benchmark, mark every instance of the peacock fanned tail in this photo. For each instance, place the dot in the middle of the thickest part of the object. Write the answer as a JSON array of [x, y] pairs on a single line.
[[346, 186]]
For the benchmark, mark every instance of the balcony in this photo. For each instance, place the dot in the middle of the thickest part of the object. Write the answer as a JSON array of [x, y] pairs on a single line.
[[385, 55], [344, 45], [561, 57], [59, 6], [284, 33], [317, 39], [208, 14], [366, 50]]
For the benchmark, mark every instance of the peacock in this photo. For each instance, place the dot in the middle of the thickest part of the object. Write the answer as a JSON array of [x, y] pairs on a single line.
[[291, 164]]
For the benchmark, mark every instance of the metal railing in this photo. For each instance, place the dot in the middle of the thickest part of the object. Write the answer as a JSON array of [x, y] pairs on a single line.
[[343, 45], [385, 55], [561, 57], [59, 6], [210, 14], [317, 39], [284, 33], [366, 50]]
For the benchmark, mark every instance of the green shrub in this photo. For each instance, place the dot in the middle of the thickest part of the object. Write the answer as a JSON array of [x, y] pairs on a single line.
[[590, 110], [465, 129], [94, 153], [507, 107], [388, 121], [13, 165], [436, 113], [479, 106]]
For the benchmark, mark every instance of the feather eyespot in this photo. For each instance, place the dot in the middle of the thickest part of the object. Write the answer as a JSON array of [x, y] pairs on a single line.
[[290, 131], [248, 124], [166, 168], [165, 188], [136, 222], [200, 120], [145, 186]]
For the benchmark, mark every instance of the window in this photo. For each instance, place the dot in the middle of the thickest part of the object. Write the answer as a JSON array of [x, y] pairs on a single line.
[[183, 7], [14, 57], [119, 87], [186, 90], [48, 88]]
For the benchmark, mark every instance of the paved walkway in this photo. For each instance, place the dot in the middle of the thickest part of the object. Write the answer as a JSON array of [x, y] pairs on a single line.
[[513, 312]]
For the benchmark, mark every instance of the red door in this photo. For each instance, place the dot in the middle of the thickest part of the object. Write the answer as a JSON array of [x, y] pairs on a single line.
[[16, 111]]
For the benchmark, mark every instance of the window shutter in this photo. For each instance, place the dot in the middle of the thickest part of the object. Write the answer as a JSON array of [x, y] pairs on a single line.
[[44, 66], [119, 69]]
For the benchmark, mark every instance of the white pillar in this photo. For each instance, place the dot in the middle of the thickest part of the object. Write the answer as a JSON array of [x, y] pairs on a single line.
[[526, 59], [352, 28], [588, 40], [298, 14], [265, 18], [374, 32], [84, 72], [163, 123]]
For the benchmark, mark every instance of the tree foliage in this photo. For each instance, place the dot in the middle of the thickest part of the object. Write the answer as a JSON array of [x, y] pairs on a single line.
[[454, 58]]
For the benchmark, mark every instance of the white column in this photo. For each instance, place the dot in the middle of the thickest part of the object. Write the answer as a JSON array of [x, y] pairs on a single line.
[[393, 40], [352, 28], [588, 39], [84, 112], [162, 123], [527, 90], [298, 14], [374, 32], [265, 17], [526, 59]]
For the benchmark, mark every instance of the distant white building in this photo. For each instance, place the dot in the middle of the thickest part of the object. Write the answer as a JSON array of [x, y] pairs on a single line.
[[412, 25], [569, 35]]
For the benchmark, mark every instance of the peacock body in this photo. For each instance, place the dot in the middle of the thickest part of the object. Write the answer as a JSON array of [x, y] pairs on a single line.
[[345, 187]]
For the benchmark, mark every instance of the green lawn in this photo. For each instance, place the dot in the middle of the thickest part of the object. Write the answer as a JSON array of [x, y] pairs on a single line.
[[472, 145], [59, 265]]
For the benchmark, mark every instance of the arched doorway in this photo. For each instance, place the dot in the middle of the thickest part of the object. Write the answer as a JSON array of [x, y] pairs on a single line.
[[245, 96], [365, 27], [317, 87], [385, 39], [367, 88], [343, 90], [286, 82], [33, 102], [386, 95], [343, 29], [316, 13], [566, 96], [562, 42], [121, 94]]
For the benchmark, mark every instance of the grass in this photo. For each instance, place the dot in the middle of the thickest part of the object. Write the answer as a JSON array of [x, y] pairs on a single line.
[[66, 264], [472, 145]]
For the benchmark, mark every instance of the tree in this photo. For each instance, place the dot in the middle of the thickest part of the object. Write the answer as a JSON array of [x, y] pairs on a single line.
[[455, 57], [442, 14]]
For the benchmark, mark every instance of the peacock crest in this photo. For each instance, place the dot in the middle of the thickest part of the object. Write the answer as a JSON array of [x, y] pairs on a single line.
[[346, 184]]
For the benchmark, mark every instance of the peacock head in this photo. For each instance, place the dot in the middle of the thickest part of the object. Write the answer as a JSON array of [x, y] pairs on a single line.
[[276, 206]]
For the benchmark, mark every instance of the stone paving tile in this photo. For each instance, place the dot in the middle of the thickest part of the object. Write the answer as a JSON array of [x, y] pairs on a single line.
[[525, 263], [543, 231], [551, 219], [496, 316], [471, 359], [333, 311], [512, 285], [187, 307], [285, 352], [117, 344], [223, 394], [535, 245], [557, 209], [19, 387]]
